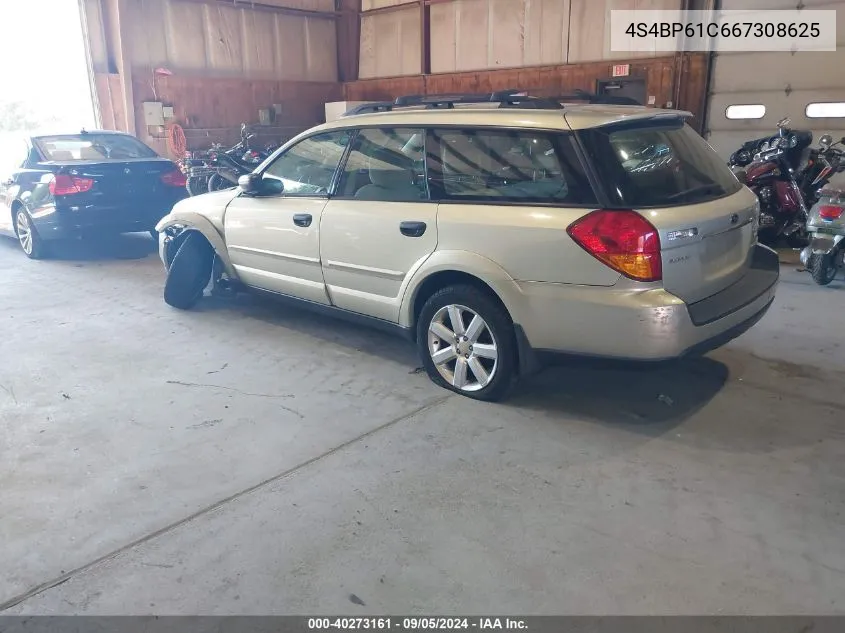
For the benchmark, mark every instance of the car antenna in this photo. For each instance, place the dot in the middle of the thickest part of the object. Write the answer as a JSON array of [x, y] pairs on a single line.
[[84, 131]]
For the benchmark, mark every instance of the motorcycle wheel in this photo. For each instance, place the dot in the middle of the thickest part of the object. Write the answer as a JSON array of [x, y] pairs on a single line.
[[216, 182], [196, 186], [823, 269], [799, 239]]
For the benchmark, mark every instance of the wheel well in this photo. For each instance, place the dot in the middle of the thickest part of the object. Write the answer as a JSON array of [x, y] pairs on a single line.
[[15, 206], [446, 278], [173, 248]]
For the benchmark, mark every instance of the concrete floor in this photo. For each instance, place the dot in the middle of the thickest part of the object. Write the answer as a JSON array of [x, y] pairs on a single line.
[[245, 458]]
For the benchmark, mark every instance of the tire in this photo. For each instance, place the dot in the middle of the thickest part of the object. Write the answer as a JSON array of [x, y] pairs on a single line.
[[196, 185], [28, 238], [189, 272], [822, 268], [216, 182], [498, 364]]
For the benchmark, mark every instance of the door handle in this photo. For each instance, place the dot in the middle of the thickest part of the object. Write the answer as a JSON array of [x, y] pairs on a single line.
[[302, 219], [412, 229]]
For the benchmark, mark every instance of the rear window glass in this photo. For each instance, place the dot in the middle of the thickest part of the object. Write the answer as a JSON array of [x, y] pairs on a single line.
[[88, 147], [657, 164], [507, 166]]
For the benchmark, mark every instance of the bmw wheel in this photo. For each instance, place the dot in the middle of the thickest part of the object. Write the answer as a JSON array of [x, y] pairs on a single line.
[[28, 237]]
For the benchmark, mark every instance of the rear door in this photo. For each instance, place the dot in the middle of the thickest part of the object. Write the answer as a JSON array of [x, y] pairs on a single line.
[[706, 219]]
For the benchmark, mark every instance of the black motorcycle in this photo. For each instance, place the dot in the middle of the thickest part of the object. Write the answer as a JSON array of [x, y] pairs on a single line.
[[237, 161], [219, 168]]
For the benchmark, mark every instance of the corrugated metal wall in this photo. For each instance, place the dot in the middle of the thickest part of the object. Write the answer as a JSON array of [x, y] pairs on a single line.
[[220, 40], [486, 34]]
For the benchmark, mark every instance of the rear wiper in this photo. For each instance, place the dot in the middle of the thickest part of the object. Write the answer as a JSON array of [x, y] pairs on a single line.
[[693, 190]]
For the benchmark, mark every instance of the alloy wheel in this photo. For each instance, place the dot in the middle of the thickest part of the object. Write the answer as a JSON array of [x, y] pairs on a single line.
[[24, 230], [462, 348]]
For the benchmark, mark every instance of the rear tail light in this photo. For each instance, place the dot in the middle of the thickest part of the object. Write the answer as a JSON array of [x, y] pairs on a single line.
[[830, 212], [65, 185], [624, 240], [174, 178]]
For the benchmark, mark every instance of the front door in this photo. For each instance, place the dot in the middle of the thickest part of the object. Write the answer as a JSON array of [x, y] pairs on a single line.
[[274, 240], [380, 227]]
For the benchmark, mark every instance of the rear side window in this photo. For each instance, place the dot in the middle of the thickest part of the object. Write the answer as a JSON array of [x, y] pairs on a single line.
[[654, 164], [92, 147], [507, 166]]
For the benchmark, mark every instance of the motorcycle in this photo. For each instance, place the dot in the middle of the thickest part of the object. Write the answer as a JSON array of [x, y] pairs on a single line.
[[197, 172], [825, 254], [219, 168], [237, 161], [782, 171]]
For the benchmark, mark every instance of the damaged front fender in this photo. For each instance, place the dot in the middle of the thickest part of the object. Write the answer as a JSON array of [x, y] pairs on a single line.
[[174, 226]]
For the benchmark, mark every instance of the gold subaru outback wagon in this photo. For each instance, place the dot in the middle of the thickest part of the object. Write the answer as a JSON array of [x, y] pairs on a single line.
[[492, 230]]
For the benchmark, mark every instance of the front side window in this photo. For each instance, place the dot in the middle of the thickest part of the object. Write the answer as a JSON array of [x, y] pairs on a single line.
[[508, 166], [92, 147], [386, 164], [307, 168], [657, 163]]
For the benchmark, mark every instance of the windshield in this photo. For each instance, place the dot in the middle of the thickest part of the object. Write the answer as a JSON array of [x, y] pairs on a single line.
[[96, 147], [652, 164]]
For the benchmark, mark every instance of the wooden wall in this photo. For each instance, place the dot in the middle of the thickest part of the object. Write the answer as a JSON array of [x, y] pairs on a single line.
[[212, 109], [679, 79], [217, 64]]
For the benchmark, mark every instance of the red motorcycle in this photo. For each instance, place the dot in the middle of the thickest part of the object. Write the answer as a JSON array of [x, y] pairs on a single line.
[[780, 170]]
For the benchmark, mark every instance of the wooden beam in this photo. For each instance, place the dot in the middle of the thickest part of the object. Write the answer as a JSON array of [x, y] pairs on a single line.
[[348, 39], [270, 8], [393, 7], [425, 38]]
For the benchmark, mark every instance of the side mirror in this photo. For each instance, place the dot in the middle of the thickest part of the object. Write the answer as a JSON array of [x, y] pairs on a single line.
[[783, 122], [255, 185], [826, 141], [249, 183]]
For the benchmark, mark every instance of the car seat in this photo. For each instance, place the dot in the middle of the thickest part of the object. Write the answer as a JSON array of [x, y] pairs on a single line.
[[390, 184]]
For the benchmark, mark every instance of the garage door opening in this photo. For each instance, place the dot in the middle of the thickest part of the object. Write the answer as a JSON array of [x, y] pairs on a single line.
[[46, 87]]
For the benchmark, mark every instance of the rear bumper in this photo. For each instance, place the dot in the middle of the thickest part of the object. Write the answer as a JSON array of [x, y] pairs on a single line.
[[643, 325], [68, 222]]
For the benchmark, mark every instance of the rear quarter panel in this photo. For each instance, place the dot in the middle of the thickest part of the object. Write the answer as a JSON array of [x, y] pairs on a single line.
[[529, 243]]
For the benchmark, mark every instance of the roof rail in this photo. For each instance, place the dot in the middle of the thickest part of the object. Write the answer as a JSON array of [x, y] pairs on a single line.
[[505, 98], [366, 108]]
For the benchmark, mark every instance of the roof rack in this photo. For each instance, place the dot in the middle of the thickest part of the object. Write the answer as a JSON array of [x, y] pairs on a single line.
[[505, 98]]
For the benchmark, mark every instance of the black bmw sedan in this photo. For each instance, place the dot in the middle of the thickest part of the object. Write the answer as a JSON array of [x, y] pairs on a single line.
[[70, 185]]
